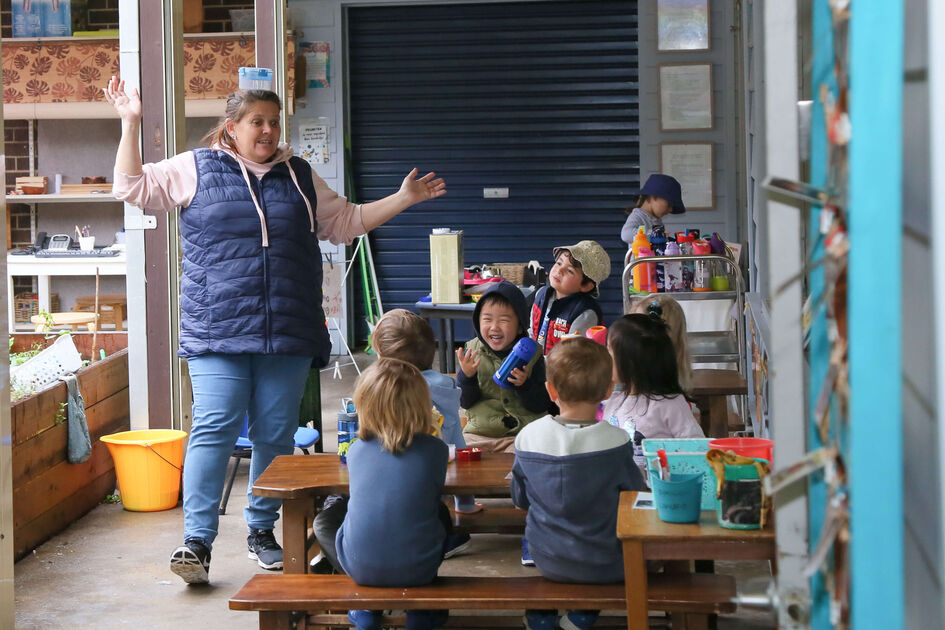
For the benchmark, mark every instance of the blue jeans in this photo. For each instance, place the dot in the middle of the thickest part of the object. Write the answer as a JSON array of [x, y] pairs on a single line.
[[226, 387]]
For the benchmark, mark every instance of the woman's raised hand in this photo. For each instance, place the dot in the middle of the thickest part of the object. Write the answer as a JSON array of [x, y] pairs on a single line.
[[420, 189], [127, 106]]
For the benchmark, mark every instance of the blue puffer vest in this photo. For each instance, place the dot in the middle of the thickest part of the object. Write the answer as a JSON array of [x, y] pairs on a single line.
[[238, 297]]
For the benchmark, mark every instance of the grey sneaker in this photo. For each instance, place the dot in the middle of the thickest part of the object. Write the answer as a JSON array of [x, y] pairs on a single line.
[[264, 549], [191, 561]]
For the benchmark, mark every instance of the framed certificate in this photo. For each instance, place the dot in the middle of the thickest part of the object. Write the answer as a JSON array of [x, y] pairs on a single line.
[[685, 93], [682, 25], [691, 164]]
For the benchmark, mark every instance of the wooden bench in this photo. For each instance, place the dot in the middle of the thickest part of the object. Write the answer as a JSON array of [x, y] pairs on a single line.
[[282, 600]]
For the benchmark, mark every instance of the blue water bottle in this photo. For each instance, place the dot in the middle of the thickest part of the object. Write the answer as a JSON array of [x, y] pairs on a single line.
[[521, 354], [347, 428]]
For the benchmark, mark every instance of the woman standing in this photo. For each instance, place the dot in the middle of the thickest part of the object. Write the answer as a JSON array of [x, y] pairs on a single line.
[[251, 300]]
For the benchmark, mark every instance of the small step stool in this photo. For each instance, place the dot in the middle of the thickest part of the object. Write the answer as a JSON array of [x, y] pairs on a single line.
[[66, 319]]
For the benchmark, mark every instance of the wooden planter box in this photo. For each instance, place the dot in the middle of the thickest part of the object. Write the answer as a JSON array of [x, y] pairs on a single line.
[[48, 492]]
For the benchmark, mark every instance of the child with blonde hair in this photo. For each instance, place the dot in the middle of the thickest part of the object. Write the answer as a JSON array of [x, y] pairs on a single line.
[[569, 472], [667, 309], [395, 530]]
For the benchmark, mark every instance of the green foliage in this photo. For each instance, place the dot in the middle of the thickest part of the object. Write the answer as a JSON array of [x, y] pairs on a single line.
[[111, 498]]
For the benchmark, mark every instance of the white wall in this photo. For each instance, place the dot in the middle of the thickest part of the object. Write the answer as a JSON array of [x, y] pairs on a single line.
[[921, 475], [726, 113]]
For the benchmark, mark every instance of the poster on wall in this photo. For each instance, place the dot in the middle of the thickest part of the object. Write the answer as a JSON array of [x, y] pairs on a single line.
[[313, 140], [317, 63], [332, 274], [691, 164], [685, 96], [682, 24]]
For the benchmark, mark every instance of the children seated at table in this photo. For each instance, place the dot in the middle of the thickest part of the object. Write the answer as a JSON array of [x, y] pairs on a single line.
[[396, 525], [669, 310], [494, 414], [567, 305], [403, 335], [569, 472], [648, 400]]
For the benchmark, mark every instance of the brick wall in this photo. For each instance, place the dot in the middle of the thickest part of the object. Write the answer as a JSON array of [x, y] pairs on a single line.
[[16, 143]]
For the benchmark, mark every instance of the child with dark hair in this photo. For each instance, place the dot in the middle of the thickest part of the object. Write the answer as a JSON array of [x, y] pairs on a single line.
[[494, 414], [648, 401], [569, 472], [567, 305]]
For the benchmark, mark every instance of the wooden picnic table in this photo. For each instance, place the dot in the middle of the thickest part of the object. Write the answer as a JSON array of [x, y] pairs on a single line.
[[711, 389], [645, 537], [299, 480]]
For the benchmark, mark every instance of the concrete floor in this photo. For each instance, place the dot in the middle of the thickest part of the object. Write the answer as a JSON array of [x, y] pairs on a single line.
[[110, 568]]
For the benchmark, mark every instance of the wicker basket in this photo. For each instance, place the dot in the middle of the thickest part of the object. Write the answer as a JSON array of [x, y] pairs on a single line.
[[513, 272], [25, 305]]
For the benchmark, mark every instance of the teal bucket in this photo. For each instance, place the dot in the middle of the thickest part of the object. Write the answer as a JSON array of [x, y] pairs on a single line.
[[679, 499]]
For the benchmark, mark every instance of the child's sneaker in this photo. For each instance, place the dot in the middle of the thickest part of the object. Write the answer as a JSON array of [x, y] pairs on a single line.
[[541, 620], [526, 557], [191, 561], [264, 549], [456, 544], [578, 619], [365, 619], [321, 565]]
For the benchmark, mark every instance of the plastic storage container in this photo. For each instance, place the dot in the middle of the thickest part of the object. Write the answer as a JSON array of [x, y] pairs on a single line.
[[686, 456], [255, 78]]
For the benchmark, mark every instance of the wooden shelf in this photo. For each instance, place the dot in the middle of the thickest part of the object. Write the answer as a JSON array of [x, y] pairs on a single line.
[[90, 198]]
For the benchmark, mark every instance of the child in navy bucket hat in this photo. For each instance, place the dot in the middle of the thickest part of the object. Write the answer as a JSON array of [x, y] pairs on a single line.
[[660, 195]]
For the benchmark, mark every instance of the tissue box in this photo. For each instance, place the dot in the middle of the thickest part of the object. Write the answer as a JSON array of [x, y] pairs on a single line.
[[446, 266]]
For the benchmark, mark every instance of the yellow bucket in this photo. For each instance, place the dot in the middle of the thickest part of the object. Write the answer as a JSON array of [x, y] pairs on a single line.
[[148, 465]]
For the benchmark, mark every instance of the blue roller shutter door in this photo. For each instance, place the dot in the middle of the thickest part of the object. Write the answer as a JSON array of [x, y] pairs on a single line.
[[537, 97]]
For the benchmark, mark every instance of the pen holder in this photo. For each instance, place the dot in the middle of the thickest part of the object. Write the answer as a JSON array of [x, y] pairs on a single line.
[[86, 243], [742, 502], [678, 500]]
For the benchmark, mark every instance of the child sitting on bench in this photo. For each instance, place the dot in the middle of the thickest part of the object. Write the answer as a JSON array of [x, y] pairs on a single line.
[[569, 472], [394, 533]]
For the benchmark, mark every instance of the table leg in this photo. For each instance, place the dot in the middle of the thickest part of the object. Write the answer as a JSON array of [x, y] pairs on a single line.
[[43, 284], [444, 351], [718, 416], [450, 357], [11, 320], [634, 569], [295, 535]]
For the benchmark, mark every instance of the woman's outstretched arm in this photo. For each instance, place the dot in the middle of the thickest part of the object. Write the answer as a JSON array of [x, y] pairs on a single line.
[[128, 106]]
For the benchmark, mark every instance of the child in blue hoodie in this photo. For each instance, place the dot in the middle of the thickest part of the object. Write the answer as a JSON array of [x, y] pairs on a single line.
[[569, 472]]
